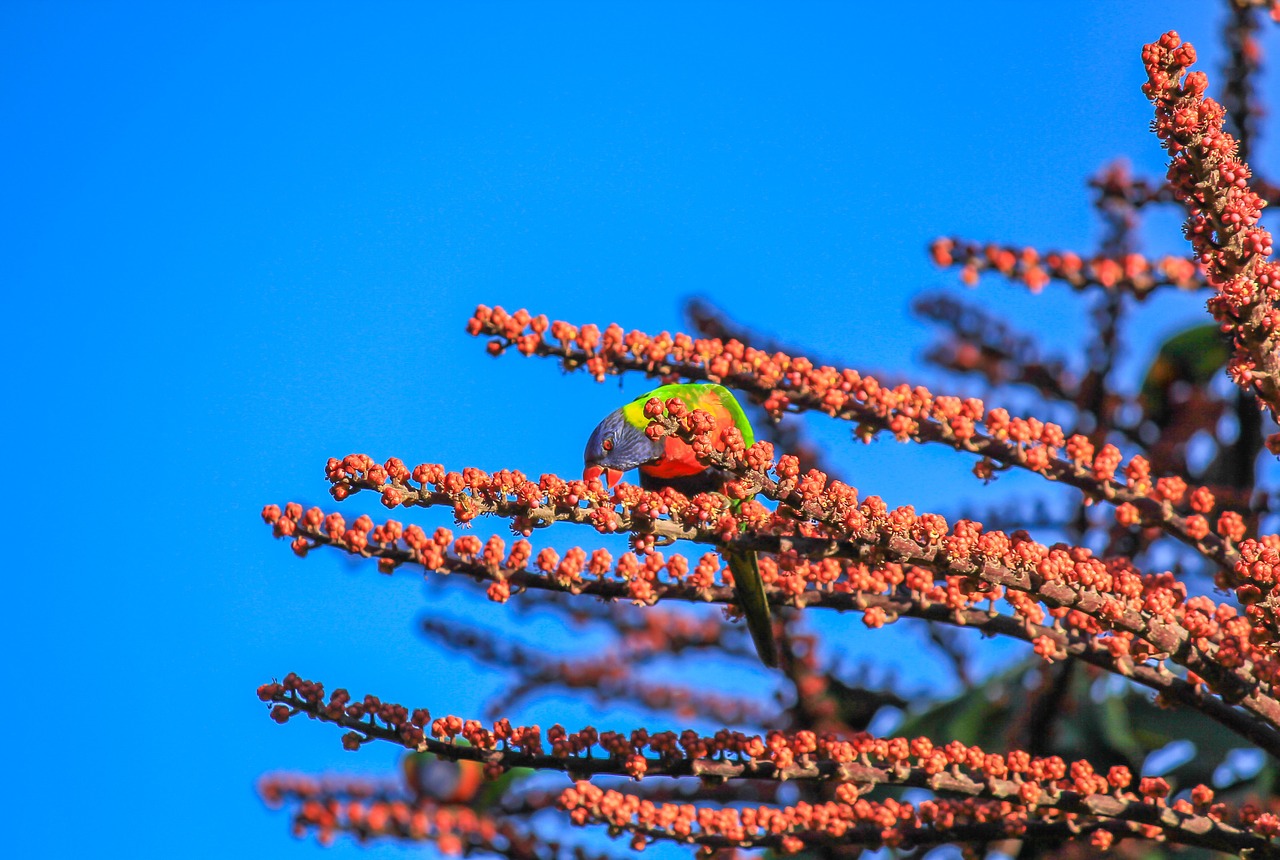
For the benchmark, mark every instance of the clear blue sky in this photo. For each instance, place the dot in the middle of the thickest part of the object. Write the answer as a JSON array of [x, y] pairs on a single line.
[[237, 239]]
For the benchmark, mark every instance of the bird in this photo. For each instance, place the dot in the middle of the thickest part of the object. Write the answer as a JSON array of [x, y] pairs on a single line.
[[619, 443], [443, 781], [460, 782]]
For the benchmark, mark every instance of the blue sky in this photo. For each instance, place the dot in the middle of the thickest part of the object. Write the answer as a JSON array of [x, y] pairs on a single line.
[[238, 239]]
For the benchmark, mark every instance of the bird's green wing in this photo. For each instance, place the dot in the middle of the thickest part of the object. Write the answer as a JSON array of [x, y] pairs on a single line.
[[709, 397], [712, 398]]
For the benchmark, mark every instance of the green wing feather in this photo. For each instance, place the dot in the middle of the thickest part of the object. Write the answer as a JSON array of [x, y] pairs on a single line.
[[1193, 356], [695, 396], [748, 586], [726, 399], [492, 791]]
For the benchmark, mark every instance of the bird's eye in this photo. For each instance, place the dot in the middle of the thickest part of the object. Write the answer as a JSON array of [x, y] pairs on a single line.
[[607, 444]]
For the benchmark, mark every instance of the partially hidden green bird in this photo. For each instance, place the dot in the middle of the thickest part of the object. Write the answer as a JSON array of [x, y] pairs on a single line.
[[460, 782], [619, 444]]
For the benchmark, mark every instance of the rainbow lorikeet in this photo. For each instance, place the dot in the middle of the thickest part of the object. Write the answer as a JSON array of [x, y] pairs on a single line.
[[620, 444], [455, 782], [1191, 357]]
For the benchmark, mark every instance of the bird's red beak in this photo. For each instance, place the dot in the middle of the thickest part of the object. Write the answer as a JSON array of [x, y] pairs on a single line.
[[610, 476]]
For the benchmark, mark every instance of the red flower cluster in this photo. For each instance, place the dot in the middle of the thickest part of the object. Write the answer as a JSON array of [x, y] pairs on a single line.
[[906, 825], [1132, 273], [371, 810], [1213, 183], [859, 760]]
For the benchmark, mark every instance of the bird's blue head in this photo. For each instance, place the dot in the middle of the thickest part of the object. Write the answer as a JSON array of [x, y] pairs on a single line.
[[432, 777], [617, 446]]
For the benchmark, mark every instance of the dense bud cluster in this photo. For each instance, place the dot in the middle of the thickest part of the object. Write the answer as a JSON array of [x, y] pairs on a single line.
[[1259, 568], [1233, 248]]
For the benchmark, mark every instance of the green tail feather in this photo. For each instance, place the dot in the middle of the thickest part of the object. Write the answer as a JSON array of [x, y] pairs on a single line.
[[748, 587]]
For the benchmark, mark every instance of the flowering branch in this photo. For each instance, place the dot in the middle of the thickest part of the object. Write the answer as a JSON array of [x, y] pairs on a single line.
[[366, 812], [828, 522], [1130, 273], [855, 765], [796, 838], [899, 825]]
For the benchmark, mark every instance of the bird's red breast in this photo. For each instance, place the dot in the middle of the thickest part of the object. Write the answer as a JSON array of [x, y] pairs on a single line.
[[678, 459], [470, 778]]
